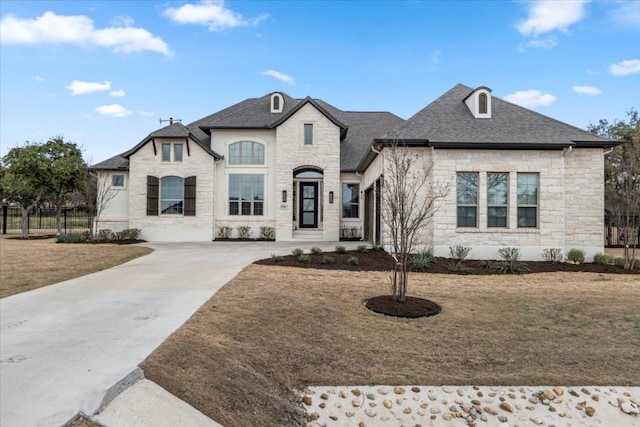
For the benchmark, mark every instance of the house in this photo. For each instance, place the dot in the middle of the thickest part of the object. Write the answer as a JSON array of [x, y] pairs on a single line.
[[303, 169]]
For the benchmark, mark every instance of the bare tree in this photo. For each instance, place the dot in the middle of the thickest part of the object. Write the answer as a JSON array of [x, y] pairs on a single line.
[[410, 199], [103, 198]]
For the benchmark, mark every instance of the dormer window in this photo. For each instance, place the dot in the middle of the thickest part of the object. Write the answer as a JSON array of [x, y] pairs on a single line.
[[479, 102], [277, 102]]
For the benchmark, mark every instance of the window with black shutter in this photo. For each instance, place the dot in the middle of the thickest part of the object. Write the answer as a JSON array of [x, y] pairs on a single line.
[[190, 196]]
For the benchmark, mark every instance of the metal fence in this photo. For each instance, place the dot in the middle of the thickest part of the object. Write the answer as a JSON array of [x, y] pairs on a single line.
[[43, 220]]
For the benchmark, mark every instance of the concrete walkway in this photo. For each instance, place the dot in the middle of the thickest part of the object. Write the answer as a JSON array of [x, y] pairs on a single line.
[[62, 347]]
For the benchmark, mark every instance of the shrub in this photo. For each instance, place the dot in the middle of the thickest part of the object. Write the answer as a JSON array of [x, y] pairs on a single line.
[[71, 238], [105, 234], [297, 252], [353, 260], [328, 260], [276, 258], [457, 267], [267, 233], [316, 250], [304, 258], [619, 261], [362, 249], [128, 234], [486, 264], [224, 232], [244, 232], [422, 259], [340, 249], [552, 255], [601, 258], [510, 261], [459, 252], [576, 255]]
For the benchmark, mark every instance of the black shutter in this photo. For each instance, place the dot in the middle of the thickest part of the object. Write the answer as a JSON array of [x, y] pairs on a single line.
[[152, 195], [190, 196]]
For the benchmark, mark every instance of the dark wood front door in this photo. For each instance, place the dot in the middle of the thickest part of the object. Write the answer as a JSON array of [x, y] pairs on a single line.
[[308, 205]]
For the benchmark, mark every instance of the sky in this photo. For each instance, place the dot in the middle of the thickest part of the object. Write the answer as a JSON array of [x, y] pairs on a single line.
[[103, 74]]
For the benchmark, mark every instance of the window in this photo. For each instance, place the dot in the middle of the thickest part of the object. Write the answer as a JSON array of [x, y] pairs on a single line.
[[497, 199], [308, 134], [177, 152], [246, 194], [171, 195], [246, 153], [117, 181], [166, 152], [350, 198], [276, 103], [528, 200], [467, 198], [482, 100]]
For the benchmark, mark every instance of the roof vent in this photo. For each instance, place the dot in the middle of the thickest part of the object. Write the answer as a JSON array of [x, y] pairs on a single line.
[[277, 102], [479, 102]]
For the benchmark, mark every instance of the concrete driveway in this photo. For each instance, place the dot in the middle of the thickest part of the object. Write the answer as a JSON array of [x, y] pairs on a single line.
[[62, 347]]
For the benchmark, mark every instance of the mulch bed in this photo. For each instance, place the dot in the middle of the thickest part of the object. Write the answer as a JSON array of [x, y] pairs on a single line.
[[411, 307], [382, 261]]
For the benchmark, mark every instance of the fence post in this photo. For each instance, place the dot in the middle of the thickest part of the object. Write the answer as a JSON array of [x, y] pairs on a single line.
[[5, 210]]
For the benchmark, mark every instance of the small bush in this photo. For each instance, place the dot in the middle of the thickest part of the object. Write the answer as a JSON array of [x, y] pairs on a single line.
[[619, 261], [422, 259], [362, 249], [224, 232], [276, 258], [105, 234], [510, 261], [297, 252], [244, 232], [340, 249], [328, 260], [486, 264], [128, 234], [552, 255], [304, 258], [601, 258], [457, 267], [353, 260], [576, 255], [316, 250], [71, 238], [459, 252], [267, 233]]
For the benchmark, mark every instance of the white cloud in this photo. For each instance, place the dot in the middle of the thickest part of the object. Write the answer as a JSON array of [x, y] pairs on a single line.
[[122, 21], [530, 98], [146, 113], [587, 90], [280, 76], [117, 93], [113, 110], [626, 13], [547, 43], [77, 30], [37, 79], [78, 87], [211, 13], [550, 15], [626, 67]]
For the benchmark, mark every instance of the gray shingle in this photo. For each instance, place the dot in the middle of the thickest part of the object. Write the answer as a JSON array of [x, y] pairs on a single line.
[[115, 163]]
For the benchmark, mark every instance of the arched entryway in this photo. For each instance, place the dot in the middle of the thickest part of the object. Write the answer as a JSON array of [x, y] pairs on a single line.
[[307, 198]]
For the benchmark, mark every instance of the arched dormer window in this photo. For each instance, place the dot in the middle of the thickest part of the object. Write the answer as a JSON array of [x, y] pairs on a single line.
[[246, 153], [277, 102], [482, 103]]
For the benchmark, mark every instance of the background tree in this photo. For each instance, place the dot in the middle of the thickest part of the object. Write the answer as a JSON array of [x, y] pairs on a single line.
[[67, 173], [622, 179], [409, 200], [25, 177]]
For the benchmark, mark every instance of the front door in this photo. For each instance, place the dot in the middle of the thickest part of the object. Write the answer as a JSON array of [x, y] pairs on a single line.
[[308, 205]]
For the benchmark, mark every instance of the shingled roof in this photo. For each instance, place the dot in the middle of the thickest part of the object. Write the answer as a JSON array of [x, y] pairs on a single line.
[[447, 122], [115, 163]]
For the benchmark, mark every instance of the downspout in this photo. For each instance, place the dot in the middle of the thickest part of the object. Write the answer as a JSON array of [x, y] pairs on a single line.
[[215, 195]]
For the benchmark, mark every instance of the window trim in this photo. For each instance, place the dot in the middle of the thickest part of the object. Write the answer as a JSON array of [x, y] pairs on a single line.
[[495, 205], [350, 203], [252, 200], [535, 206], [468, 205]]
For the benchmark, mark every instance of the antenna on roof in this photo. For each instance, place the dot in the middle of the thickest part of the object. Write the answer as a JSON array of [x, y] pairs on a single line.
[[170, 120]]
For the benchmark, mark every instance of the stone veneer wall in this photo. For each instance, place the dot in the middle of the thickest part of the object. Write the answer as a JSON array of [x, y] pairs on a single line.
[[324, 153], [484, 241], [172, 227], [584, 200]]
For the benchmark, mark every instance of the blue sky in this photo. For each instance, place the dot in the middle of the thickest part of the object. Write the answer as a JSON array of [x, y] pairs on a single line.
[[103, 73]]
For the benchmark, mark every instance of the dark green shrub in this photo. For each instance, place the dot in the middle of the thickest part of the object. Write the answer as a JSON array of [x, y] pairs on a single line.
[[601, 258], [619, 261], [510, 262], [576, 255], [457, 267], [340, 249], [71, 238], [362, 249], [276, 258], [316, 250], [304, 258], [552, 255], [353, 260], [297, 252], [328, 260], [423, 259]]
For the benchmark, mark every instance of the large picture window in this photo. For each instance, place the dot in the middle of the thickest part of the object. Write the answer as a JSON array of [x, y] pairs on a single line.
[[171, 195], [467, 199], [350, 199], [497, 199], [246, 194], [528, 200], [246, 153]]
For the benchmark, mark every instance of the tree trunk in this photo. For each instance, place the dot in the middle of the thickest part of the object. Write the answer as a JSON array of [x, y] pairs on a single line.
[[58, 221]]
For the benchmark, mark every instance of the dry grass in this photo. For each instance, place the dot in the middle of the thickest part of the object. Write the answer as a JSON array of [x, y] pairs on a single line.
[[272, 329], [31, 264]]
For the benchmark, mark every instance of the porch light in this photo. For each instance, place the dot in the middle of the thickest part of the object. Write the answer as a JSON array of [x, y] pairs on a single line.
[[284, 196], [330, 196]]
